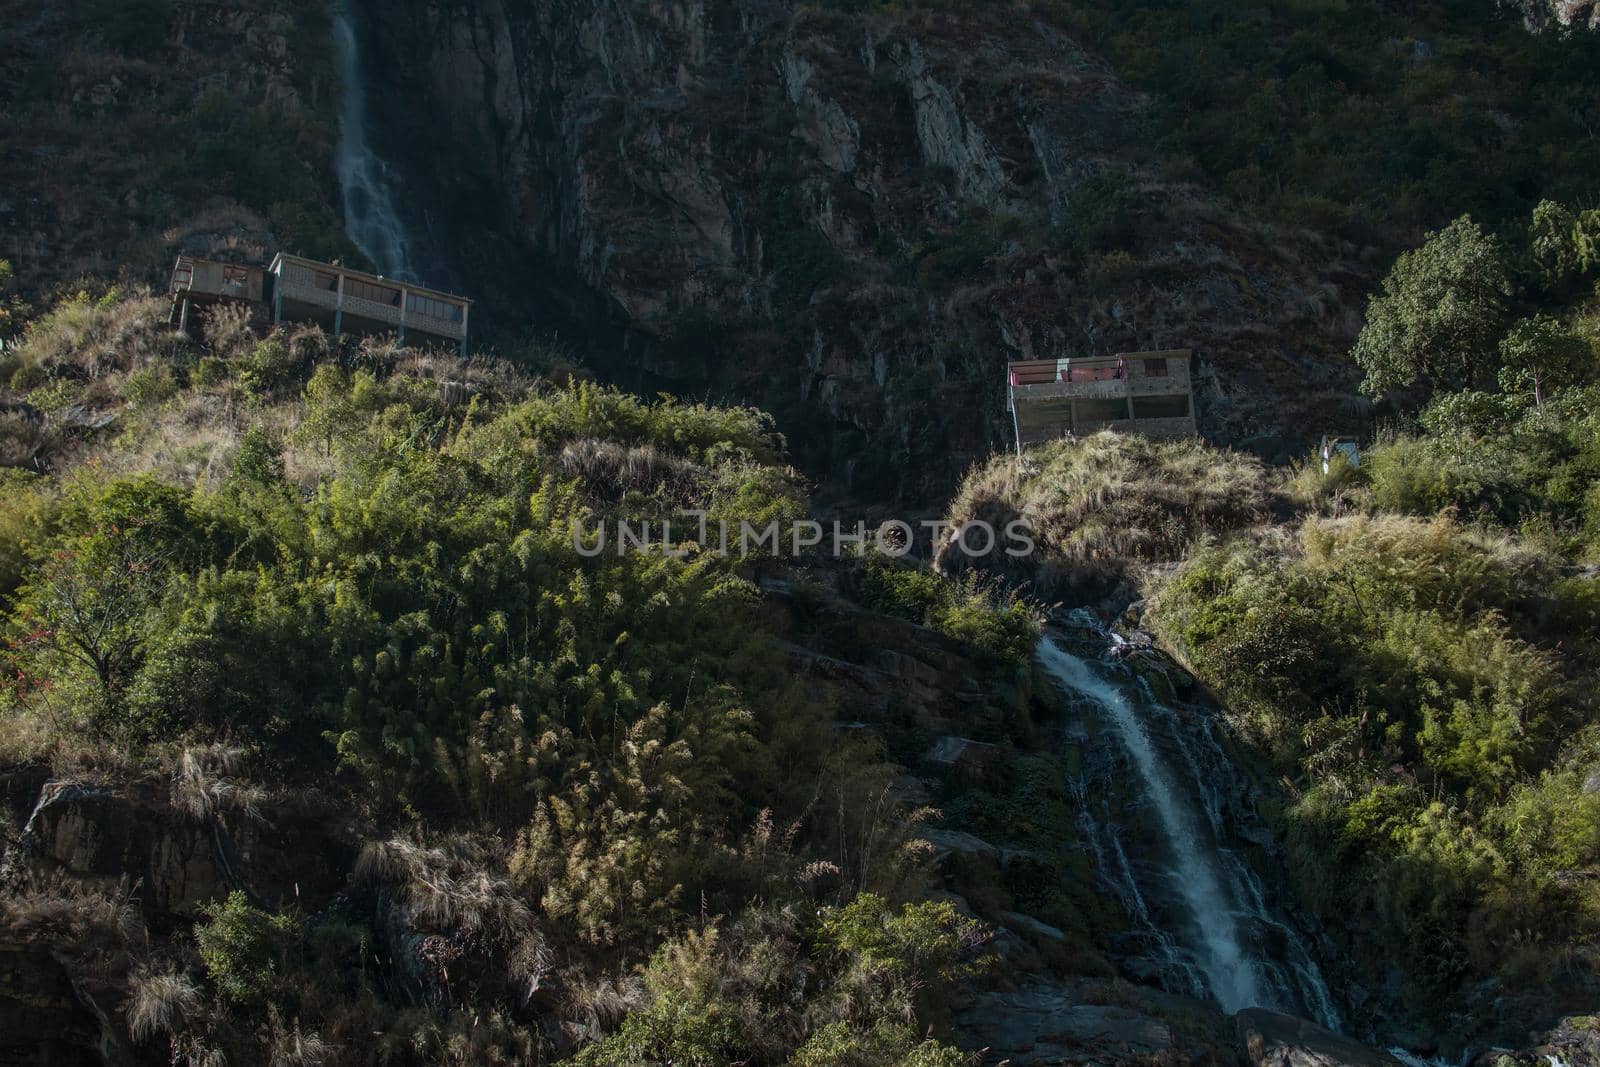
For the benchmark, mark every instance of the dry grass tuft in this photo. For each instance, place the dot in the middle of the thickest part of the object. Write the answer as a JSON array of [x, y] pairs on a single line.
[[65, 911], [83, 339], [205, 785], [157, 1001], [290, 1046], [1098, 505], [450, 889], [611, 470]]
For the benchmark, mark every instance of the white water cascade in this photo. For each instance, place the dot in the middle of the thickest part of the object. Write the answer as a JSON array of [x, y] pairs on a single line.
[[370, 217], [1221, 937]]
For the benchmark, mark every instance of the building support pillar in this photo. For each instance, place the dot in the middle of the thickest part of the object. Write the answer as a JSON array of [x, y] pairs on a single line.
[[338, 310], [466, 309], [183, 317]]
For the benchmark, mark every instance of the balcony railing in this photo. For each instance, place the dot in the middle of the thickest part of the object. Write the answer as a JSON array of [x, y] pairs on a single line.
[[1138, 392], [359, 296], [1129, 374]]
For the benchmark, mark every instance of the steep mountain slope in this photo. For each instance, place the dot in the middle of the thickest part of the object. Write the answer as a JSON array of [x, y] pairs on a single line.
[[129, 131], [853, 219]]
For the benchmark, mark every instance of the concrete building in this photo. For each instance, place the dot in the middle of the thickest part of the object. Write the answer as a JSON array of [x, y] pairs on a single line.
[[340, 299], [1132, 392]]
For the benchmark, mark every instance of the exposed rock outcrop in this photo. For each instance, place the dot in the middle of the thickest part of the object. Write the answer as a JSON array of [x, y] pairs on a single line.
[[103, 835], [1039, 1024], [1557, 14], [43, 1019], [1274, 1040], [143, 137]]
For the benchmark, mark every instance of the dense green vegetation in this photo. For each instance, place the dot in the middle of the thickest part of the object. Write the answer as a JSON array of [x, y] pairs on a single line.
[[286, 564], [1380, 120], [1419, 657], [996, 627]]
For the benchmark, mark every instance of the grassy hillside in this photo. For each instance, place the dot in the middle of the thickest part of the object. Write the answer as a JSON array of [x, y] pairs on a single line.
[[323, 599]]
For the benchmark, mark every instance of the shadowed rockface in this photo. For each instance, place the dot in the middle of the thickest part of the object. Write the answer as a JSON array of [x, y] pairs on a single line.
[[851, 219]]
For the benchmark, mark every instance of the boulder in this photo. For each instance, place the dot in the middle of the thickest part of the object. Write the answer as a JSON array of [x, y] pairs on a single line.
[[946, 842], [1042, 1024], [1271, 1039], [965, 754]]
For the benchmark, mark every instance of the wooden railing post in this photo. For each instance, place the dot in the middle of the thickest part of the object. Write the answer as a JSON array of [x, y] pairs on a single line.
[[338, 306]]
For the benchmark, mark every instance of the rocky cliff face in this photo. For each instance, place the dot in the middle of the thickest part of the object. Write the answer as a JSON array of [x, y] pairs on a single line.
[[852, 219], [1560, 14]]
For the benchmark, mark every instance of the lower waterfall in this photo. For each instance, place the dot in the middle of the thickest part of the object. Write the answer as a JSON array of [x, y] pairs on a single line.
[[1206, 923]]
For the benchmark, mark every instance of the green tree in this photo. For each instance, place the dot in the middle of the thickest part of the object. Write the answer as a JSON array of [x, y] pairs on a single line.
[[1563, 245], [1440, 312], [1541, 354], [258, 461]]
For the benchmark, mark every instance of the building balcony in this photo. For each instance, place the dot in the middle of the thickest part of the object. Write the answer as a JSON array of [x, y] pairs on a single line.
[[351, 301], [1137, 392]]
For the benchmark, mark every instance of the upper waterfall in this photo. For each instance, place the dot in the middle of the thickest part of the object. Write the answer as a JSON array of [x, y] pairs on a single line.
[[370, 217]]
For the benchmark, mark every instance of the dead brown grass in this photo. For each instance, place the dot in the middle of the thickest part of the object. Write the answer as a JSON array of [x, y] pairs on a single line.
[[1109, 503]]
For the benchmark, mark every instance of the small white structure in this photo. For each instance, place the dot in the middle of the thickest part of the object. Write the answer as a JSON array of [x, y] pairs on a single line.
[[1339, 446]]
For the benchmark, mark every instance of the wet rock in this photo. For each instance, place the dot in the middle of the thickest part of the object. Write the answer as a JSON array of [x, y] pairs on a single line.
[[1574, 1041], [965, 754], [1042, 1023], [1274, 1040], [1027, 924]]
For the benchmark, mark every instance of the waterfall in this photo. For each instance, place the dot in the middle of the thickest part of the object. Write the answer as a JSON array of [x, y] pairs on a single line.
[[370, 218], [1219, 935]]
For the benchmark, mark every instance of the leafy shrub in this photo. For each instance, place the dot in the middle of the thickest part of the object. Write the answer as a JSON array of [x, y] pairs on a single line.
[[999, 628], [211, 372], [1099, 213], [958, 256], [270, 366], [150, 386], [246, 951]]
